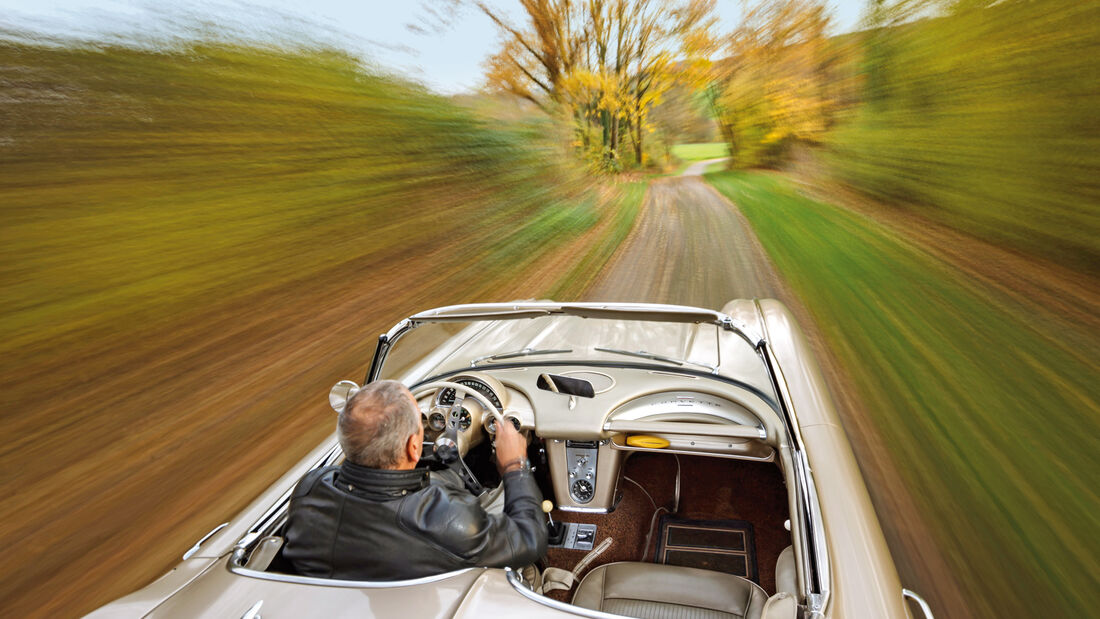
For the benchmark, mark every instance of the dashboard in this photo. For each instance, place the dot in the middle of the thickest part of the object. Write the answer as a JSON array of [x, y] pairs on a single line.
[[622, 410]]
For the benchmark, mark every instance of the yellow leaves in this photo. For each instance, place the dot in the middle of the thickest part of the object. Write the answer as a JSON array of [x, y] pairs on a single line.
[[774, 89], [610, 61]]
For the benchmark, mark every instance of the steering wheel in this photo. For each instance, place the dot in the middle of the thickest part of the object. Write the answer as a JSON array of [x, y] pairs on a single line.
[[423, 390], [447, 443]]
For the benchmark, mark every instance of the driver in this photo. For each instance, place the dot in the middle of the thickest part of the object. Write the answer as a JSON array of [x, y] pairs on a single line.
[[379, 517]]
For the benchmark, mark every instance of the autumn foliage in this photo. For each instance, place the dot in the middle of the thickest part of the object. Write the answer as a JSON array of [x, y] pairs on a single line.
[[602, 65], [777, 86]]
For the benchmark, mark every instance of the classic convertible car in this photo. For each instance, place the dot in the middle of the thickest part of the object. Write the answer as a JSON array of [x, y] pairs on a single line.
[[692, 462]]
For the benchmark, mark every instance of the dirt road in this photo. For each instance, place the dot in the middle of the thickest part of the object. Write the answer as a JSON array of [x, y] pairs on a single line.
[[690, 247]]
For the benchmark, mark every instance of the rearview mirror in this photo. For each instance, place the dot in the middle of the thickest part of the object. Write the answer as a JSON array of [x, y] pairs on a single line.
[[565, 385], [340, 393]]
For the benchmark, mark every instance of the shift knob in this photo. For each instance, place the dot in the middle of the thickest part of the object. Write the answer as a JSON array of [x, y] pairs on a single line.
[[547, 506]]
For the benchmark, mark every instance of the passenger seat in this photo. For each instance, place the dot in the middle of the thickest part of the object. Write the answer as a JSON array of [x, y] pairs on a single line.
[[658, 591]]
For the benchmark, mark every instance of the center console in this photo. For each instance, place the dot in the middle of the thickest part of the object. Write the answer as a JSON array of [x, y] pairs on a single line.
[[584, 473]]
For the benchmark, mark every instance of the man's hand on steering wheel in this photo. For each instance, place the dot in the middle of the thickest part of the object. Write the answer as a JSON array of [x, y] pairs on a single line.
[[511, 448]]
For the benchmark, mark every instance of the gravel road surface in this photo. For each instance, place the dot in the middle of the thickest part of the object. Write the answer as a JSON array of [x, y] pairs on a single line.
[[689, 247]]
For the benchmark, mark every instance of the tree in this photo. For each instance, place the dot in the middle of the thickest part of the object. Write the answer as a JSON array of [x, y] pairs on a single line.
[[602, 63], [774, 88]]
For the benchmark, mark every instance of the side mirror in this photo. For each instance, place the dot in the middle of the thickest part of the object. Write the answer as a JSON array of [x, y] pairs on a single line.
[[340, 393]]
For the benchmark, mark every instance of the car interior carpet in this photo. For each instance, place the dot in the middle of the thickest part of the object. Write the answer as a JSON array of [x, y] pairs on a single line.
[[711, 489], [718, 545]]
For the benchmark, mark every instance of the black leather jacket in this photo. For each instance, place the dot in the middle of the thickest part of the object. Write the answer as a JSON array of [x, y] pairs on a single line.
[[357, 523]]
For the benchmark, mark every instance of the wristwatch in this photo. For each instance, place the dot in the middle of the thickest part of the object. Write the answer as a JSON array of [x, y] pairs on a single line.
[[508, 467]]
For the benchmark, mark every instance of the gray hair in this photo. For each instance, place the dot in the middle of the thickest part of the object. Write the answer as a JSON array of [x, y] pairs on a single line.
[[376, 423]]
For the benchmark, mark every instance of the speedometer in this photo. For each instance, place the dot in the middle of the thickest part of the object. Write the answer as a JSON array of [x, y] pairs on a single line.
[[447, 397]]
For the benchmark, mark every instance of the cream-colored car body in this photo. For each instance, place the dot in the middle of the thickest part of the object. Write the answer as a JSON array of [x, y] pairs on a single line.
[[843, 568]]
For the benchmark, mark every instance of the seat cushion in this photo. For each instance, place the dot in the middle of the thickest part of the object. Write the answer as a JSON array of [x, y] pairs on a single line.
[[657, 591]]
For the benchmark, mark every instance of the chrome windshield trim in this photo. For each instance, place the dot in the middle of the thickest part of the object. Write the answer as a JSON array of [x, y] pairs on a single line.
[[924, 607], [346, 584], [622, 311], [516, 581]]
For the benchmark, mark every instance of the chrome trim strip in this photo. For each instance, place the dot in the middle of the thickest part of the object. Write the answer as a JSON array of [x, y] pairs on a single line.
[[516, 581], [709, 454], [924, 607], [254, 611], [584, 510], [815, 552], [347, 584], [192, 550], [626, 425]]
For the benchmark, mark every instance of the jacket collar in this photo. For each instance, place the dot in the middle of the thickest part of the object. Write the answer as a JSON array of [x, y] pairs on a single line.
[[383, 482]]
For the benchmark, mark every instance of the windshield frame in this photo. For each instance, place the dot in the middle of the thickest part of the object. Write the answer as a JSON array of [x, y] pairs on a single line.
[[473, 312]]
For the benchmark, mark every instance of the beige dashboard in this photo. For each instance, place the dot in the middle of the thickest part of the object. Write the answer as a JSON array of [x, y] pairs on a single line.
[[586, 438]]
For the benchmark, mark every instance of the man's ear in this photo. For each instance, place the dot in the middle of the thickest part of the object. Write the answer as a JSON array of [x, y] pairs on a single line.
[[412, 448]]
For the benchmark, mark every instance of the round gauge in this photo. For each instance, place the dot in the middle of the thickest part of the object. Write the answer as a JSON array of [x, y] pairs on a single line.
[[447, 396], [436, 421], [464, 420], [582, 491]]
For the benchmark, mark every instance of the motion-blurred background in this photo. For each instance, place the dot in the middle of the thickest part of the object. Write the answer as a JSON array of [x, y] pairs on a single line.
[[210, 213]]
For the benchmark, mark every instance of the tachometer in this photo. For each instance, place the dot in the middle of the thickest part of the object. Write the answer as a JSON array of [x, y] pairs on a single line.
[[447, 397]]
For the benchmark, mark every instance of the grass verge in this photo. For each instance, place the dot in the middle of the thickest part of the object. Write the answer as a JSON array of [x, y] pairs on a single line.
[[698, 152], [991, 419], [600, 249]]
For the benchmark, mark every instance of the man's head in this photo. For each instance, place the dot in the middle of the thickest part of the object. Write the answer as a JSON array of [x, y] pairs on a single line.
[[380, 427]]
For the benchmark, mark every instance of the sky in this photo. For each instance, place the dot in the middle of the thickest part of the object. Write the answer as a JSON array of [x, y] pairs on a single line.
[[446, 59]]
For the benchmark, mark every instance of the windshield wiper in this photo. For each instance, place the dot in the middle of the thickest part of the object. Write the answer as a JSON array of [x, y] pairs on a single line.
[[524, 352], [641, 354]]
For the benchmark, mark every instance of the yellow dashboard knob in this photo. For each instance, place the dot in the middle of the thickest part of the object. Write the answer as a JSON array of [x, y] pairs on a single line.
[[646, 441]]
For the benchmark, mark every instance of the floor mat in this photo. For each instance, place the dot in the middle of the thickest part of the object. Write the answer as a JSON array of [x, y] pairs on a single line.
[[719, 545]]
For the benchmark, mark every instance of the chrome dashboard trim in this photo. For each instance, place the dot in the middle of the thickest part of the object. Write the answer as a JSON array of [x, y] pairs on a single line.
[[685, 452], [584, 510]]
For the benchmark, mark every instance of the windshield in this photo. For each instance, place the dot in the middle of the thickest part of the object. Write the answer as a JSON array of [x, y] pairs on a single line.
[[433, 349]]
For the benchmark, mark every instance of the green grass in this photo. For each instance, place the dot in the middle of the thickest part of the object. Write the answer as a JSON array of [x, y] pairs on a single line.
[[986, 120], [993, 420], [698, 152], [623, 211]]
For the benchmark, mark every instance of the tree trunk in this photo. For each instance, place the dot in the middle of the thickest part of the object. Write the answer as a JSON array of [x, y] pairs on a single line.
[[615, 135]]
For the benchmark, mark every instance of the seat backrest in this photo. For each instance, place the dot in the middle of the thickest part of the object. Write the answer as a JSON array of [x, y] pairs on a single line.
[[782, 605], [786, 578]]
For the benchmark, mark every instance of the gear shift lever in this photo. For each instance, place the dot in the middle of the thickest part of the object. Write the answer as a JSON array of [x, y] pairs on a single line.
[[555, 531]]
